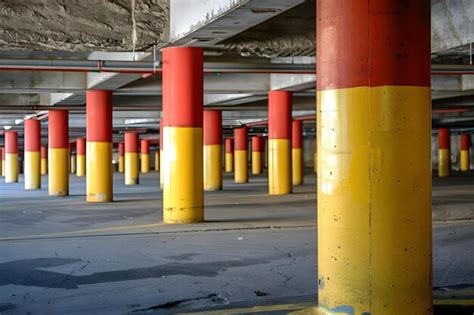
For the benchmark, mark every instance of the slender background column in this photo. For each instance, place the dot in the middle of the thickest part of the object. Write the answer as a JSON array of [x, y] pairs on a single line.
[[157, 158], [464, 154], [72, 155], [162, 156], [183, 194], [229, 155], [11, 157], [444, 152], [374, 155], [257, 151], [121, 159], [279, 143], [81, 157], [58, 154], [212, 150], [131, 159], [3, 161], [32, 146], [44, 160], [99, 148], [315, 155], [144, 156], [241, 174], [297, 154]]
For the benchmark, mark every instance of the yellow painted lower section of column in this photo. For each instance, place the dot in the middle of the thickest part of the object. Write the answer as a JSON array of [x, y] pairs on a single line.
[[131, 168], [212, 167], [241, 174], [11, 167], [444, 163], [229, 162], [3, 168], [99, 172], [279, 167], [297, 164], [256, 162], [81, 165], [32, 171], [145, 163], [121, 164], [157, 161], [58, 177], [374, 207], [183, 194], [162, 158], [464, 160], [44, 166], [73, 164]]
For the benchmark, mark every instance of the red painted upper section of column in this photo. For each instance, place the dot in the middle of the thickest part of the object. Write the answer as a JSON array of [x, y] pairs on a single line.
[[257, 144], [373, 43], [32, 135], [145, 146], [58, 129], [465, 141], [131, 142], [183, 86], [297, 134], [444, 138], [120, 149], [229, 145], [99, 115], [240, 138], [212, 127], [11, 142], [279, 115], [44, 152], [81, 146]]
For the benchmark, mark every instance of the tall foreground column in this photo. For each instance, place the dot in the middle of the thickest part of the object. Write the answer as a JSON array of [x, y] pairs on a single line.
[[464, 159], [58, 157], [11, 157], [297, 152], [121, 159], [144, 156], [257, 151], [212, 150], [81, 157], [44, 160], [241, 174], [183, 194], [279, 143], [374, 207], [229, 155], [99, 146], [444, 152], [32, 146]]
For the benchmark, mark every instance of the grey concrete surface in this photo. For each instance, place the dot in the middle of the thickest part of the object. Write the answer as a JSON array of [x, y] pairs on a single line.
[[64, 256]]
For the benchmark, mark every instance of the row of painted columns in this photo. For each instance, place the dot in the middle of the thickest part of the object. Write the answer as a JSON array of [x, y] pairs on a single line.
[[444, 152]]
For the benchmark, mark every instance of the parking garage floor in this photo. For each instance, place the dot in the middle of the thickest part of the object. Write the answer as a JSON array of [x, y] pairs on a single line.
[[255, 254]]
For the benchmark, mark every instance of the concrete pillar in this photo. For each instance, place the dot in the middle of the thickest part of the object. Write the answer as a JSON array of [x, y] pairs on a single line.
[[11, 157], [58, 154], [464, 154], [183, 191], [229, 155], [315, 152], [131, 159], [72, 157], [162, 174], [81, 157], [2, 162], [99, 149], [297, 152], [279, 143], [44, 160], [374, 180], [257, 151], [444, 152], [144, 155], [121, 159], [241, 155], [212, 150], [32, 146], [157, 158]]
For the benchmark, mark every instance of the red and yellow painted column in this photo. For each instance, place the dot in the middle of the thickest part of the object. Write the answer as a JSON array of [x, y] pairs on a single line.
[[131, 159], [99, 150], [72, 156], [11, 157], [58, 153], [297, 152], [162, 157], [32, 146], [157, 158], [241, 174], [444, 152], [257, 151], [121, 158], [315, 156], [464, 160], [374, 153], [2, 162], [279, 143], [44, 160], [229, 155], [183, 194], [144, 156], [212, 150], [81, 157]]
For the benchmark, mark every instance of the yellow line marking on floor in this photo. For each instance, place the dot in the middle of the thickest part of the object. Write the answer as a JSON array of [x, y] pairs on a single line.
[[454, 302], [252, 309]]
